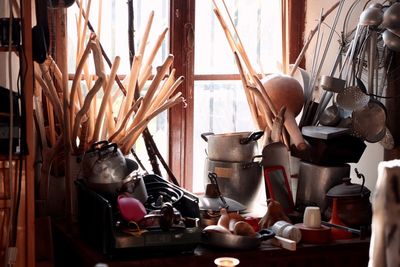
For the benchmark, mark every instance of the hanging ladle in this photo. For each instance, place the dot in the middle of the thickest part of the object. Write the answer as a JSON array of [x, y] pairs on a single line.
[[391, 17], [372, 16], [391, 40]]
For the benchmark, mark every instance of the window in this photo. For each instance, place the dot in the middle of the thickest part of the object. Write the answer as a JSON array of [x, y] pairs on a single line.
[[212, 86], [220, 104]]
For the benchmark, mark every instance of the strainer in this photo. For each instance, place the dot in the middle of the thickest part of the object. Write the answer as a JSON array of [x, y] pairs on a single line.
[[352, 98], [369, 122]]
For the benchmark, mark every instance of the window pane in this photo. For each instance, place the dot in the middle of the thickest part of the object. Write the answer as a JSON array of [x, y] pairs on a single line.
[[219, 106], [114, 28], [258, 24]]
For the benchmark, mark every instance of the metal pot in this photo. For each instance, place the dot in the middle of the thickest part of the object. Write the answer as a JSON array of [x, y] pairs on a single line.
[[314, 182], [232, 147], [240, 181], [232, 241], [352, 200]]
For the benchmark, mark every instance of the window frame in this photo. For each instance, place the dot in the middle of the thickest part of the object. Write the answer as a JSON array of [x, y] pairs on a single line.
[[182, 21]]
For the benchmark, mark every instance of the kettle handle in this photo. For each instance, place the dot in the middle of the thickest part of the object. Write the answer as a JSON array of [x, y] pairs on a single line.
[[254, 136], [97, 145], [204, 135], [104, 149]]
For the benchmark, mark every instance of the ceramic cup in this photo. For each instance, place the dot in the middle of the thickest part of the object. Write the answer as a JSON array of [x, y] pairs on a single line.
[[312, 217]]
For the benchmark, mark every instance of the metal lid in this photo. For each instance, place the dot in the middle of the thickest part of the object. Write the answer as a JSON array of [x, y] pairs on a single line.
[[215, 204], [348, 189]]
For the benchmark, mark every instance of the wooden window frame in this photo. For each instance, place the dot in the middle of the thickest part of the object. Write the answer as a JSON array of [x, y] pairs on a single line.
[[182, 25]]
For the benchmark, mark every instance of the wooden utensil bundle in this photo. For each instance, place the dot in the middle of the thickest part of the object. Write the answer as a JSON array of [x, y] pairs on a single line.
[[93, 115], [262, 109]]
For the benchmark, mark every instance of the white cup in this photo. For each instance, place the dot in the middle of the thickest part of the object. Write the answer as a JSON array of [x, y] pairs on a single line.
[[312, 217]]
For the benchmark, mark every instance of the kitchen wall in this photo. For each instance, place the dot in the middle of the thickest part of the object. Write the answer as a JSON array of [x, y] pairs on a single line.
[[373, 154]]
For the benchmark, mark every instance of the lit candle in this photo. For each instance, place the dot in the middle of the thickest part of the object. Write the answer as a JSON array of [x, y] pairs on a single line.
[[226, 262]]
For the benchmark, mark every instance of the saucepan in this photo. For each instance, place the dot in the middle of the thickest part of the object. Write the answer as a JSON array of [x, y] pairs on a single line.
[[232, 241]]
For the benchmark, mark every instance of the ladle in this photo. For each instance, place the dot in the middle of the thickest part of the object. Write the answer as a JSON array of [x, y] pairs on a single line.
[[330, 116], [391, 40], [391, 17], [332, 84], [372, 16]]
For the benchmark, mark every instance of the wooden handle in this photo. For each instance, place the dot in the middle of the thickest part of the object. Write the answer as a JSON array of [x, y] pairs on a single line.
[[134, 133], [152, 89], [86, 105], [249, 95], [51, 94], [137, 60], [147, 64], [104, 102], [263, 105], [294, 131], [145, 37], [238, 43], [76, 80], [125, 120]]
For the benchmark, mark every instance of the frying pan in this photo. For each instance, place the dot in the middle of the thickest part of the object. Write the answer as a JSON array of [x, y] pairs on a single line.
[[238, 242]]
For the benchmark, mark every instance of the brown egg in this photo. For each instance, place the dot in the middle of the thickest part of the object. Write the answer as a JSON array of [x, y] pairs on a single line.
[[244, 229], [223, 219]]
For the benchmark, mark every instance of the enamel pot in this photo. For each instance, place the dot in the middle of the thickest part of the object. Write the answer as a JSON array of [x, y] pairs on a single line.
[[352, 203]]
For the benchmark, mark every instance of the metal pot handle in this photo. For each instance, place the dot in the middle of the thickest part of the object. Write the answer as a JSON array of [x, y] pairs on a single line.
[[254, 136], [204, 135], [266, 234], [361, 176]]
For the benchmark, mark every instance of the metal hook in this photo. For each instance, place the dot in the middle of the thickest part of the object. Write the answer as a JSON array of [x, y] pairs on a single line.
[[361, 176]]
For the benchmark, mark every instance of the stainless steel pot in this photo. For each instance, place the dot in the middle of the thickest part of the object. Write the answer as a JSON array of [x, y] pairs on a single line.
[[315, 181], [240, 181], [232, 147]]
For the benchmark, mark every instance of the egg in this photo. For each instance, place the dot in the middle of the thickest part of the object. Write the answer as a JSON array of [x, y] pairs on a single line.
[[244, 229]]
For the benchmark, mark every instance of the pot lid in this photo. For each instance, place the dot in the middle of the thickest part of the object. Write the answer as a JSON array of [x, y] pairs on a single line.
[[214, 201], [348, 189], [215, 204]]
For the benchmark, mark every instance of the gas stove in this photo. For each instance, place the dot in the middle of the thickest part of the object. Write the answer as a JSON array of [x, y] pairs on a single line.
[[101, 226]]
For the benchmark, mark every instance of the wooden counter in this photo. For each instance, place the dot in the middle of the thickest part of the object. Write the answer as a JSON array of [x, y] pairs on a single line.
[[70, 250]]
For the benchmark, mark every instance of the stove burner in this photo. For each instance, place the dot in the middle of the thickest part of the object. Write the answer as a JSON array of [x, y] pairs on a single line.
[[160, 193]]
